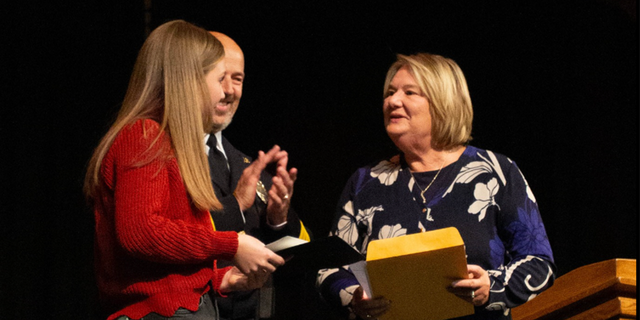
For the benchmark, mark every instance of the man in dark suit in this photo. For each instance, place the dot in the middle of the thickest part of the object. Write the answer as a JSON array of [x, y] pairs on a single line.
[[256, 200]]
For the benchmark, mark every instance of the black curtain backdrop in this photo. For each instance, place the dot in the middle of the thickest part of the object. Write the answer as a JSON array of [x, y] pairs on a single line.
[[554, 86]]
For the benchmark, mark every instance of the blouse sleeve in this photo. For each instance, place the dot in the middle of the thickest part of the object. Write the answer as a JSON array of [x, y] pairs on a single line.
[[144, 224], [338, 284], [528, 268]]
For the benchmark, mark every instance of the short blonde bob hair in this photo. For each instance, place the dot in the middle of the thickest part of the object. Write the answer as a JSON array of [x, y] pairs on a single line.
[[168, 86], [443, 83]]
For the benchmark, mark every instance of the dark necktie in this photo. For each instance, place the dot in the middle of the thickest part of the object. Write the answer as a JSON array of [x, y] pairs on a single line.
[[218, 164]]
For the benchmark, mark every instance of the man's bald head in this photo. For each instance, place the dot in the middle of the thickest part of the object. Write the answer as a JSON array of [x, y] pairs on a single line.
[[232, 83], [227, 42]]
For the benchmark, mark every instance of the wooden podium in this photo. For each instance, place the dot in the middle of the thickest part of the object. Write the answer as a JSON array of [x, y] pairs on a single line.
[[603, 290]]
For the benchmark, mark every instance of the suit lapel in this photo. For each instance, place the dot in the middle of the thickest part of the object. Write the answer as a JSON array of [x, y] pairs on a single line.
[[238, 161]]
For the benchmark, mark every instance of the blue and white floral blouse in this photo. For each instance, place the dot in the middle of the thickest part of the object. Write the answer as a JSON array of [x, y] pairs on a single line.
[[483, 194]]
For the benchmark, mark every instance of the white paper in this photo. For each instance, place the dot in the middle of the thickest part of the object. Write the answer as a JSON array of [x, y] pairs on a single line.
[[284, 243], [359, 269]]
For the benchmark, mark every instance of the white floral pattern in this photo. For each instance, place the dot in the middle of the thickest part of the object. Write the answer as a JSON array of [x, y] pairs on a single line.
[[365, 217], [529, 192], [475, 168], [387, 231], [346, 294], [324, 273], [347, 225], [386, 171], [498, 306], [485, 197], [429, 217]]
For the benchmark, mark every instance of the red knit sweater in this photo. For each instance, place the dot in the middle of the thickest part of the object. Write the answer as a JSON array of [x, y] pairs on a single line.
[[154, 250]]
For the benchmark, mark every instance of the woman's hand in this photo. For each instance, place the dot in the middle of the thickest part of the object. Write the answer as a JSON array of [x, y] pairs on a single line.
[[253, 257], [366, 308], [235, 280], [475, 289]]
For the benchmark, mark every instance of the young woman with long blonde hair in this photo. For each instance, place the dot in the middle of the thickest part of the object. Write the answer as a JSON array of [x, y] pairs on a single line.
[[148, 182]]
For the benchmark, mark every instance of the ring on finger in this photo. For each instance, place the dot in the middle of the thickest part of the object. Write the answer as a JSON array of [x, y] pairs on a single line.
[[286, 196], [473, 294]]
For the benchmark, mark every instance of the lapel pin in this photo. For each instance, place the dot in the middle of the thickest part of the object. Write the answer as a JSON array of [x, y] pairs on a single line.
[[262, 192]]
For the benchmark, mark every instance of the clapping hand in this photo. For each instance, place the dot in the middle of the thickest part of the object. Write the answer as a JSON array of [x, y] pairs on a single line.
[[245, 191], [281, 190]]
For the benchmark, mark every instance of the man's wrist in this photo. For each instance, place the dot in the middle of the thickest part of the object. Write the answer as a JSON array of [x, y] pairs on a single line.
[[239, 203], [276, 226]]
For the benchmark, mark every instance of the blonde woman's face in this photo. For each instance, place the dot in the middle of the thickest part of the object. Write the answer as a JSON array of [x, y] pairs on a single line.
[[214, 81], [406, 110]]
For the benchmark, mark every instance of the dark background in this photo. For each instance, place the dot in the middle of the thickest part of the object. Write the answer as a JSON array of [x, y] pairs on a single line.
[[554, 86]]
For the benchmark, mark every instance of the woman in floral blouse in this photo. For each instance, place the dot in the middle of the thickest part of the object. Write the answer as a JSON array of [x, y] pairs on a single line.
[[439, 181]]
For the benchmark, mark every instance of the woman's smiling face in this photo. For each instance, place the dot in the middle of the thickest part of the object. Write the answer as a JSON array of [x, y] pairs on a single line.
[[406, 110]]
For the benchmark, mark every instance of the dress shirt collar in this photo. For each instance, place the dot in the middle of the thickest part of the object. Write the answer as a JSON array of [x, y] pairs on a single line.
[[218, 143]]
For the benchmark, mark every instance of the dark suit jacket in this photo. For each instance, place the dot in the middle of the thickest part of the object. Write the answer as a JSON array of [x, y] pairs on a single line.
[[243, 304]]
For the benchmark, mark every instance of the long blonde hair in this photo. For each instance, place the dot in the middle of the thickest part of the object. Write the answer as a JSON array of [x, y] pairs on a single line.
[[168, 85]]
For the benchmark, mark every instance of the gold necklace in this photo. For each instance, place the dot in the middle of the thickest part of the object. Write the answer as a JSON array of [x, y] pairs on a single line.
[[424, 201]]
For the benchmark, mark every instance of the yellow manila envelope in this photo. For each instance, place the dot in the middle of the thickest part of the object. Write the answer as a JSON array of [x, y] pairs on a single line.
[[413, 271]]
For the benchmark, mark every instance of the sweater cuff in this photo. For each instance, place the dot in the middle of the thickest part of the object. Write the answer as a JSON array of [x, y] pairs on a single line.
[[218, 275], [225, 244]]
